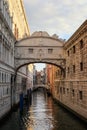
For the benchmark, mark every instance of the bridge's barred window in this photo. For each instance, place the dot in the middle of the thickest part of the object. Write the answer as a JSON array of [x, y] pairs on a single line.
[[50, 51], [30, 50]]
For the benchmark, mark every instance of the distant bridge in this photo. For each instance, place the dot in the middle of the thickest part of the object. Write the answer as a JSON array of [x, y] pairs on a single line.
[[40, 86]]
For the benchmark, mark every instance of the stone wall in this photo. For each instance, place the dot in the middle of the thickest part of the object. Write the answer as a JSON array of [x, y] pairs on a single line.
[[72, 90]]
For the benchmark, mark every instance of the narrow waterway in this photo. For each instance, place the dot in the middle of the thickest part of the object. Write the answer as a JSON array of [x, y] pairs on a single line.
[[42, 114]]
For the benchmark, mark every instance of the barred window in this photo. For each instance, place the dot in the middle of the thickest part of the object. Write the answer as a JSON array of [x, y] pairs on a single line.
[[68, 69], [74, 49], [50, 51], [63, 90], [73, 93], [80, 95], [73, 68], [68, 53], [81, 66], [30, 50], [81, 44]]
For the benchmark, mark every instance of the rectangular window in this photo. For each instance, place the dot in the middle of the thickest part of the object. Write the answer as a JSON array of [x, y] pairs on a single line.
[[68, 53], [67, 90], [73, 93], [81, 66], [74, 49], [30, 50], [73, 68], [68, 69], [5, 90], [81, 44], [80, 95], [2, 77], [63, 90], [50, 51]]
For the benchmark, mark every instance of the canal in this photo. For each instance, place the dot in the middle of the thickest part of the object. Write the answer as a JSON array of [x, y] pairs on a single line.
[[42, 114]]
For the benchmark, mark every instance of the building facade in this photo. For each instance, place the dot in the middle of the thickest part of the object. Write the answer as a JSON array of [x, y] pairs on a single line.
[[7, 40], [71, 90], [50, 75], [30, 72], [20, 26], [13, 26], [20, 30]]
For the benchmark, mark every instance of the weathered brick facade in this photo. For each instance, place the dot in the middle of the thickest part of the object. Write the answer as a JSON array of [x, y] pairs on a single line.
[[72, 90]]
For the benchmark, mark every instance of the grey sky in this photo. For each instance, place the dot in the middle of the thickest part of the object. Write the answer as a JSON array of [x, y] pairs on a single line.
[[61, 17]]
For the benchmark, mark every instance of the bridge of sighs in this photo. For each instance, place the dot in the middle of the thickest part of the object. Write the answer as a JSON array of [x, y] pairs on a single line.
[[39, 48]]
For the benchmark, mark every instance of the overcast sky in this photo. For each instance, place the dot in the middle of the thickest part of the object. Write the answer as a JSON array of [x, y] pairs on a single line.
[[61, 17]]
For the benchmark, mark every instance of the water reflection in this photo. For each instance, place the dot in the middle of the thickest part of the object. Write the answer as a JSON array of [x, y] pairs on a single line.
[[42, 114]]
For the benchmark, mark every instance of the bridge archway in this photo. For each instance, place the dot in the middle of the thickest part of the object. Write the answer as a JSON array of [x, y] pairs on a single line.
[[39, 48]]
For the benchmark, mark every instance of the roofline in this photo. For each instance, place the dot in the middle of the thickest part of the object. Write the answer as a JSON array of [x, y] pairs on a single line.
[[76, 33], [48, 37]]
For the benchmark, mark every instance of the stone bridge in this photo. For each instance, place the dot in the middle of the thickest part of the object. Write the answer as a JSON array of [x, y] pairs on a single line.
[[39, 48], [44, 86]]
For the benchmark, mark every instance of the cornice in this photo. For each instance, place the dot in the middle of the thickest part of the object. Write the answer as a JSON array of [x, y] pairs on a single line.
[[36, 37], [79, 32]]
